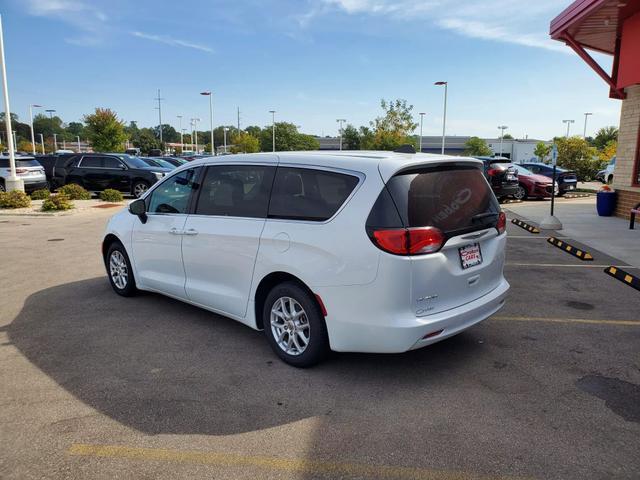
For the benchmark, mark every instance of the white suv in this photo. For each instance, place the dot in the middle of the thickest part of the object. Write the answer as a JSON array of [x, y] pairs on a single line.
[[28, 169], [350, 251]]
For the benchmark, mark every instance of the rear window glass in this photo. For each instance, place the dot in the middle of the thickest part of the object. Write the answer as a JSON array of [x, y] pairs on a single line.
[[4, 163], [452, 199], [309, 194]]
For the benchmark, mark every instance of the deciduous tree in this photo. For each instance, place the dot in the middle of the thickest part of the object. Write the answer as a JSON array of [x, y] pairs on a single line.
[[542, 150], [477, 147]]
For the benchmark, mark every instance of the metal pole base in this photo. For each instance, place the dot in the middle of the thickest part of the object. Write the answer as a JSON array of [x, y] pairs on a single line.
[[550, 222], [14, 184]]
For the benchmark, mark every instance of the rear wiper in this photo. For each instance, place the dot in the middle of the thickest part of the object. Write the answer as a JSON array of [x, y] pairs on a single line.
[[480, 216]]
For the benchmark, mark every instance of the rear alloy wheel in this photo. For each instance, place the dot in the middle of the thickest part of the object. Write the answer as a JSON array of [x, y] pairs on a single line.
[[520, 193], [294, 326], [119, 271], [139, 188]]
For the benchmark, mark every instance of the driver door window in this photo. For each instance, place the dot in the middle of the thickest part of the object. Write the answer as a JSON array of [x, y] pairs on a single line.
[[173, 195]]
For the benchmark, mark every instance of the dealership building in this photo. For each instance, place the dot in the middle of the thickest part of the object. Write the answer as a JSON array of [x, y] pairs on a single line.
[[612, 27]]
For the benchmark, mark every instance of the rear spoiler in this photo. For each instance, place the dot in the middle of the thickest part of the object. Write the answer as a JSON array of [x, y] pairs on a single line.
[[388, 170]]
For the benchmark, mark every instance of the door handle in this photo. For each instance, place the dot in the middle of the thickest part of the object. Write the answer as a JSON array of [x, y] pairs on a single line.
[[191, 231], [175, 231]]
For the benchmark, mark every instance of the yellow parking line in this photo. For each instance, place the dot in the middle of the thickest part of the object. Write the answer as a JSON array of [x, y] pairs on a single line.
[[572, 265], [631, 323], [297, 465]]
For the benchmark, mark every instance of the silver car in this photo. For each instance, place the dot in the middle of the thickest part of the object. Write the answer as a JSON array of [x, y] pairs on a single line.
[[28, 169]]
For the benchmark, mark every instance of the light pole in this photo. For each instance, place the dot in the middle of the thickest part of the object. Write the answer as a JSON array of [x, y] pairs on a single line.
[[195, 132], [273, 128], [340, 122], [182, 130], [51, 111], [502, 128], [444, 117], [42, 142], [33, 140], [422, 114], [210, 95], [159, 107], [225, 130], [568, 122], [55, 142], [78, 139], [181, 137], [586, 116]]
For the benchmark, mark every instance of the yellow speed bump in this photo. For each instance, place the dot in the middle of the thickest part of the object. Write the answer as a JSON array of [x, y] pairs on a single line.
[[526, 226], [624, 277], [576, 252]]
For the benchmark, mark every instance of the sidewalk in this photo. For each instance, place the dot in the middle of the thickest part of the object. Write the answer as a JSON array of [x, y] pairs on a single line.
[[610, 235]]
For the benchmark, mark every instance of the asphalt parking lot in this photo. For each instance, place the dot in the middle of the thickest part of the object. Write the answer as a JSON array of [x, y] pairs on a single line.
[[99, 386]]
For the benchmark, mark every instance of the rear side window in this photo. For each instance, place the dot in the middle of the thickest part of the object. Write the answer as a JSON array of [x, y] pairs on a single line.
[[309, 194], [92, 162], [111, 162], [4, 163], [236, 191], [453, 199]]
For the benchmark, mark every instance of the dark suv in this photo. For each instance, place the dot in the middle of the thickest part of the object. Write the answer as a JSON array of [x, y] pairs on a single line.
[[501, 175], [567, 179], [99, 171]]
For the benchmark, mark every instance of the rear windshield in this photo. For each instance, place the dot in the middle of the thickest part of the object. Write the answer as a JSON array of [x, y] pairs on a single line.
[[4, 163], [454, 199]]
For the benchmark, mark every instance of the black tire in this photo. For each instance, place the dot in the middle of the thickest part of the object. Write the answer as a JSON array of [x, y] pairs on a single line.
[[139, 187], [521, 193], [318, 344], [129, 288], [2, 187]]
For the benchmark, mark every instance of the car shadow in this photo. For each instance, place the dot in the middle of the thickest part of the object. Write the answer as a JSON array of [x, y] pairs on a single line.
[[161, 366]]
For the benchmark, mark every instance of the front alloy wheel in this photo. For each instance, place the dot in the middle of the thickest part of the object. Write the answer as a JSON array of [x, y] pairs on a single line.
[[290, 326], [139, 188], [119, 270], [520, 193]]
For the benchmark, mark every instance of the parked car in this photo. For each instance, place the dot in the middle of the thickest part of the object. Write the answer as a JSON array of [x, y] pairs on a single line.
[[99, 171], [49, 162], [158, 162], [175, 161], [501, 175], [363, 252], [27, 168], [608, 172], [533, 185], [600, 176], [567, 179]]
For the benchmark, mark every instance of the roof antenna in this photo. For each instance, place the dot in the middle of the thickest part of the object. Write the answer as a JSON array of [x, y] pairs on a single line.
[[406, 148]]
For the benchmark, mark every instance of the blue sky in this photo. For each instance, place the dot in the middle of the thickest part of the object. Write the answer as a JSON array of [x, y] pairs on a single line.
[[311, 60]]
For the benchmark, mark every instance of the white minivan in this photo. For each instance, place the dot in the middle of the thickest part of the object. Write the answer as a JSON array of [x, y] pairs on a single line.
[[346, 251]]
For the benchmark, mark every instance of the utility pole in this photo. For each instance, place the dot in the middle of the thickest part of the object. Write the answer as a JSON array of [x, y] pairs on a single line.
[[422, 114], [340, 121], [568, 122], [159, 108], [273, 127], [586, 116], [78, 139], [42, 142]]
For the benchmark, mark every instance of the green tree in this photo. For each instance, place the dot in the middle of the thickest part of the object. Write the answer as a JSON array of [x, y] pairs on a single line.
[[608, 152], [253, 130], [351, 138], [244, 142], [366, 138], [507, 136], [542, 150], [169, 134], [394, 128], [75, 129], [47, 126], [604, 136], [146, 140], [287, 139], [576, 154], [477, 147], [105, 131]]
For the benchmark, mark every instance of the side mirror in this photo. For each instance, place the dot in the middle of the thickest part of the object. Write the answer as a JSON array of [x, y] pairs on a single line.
[[139, 208]]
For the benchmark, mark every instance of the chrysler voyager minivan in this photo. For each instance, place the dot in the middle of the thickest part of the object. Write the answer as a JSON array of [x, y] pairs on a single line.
[[344, 251]]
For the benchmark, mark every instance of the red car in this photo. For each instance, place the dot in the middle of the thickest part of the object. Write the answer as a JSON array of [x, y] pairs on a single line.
[[532, 185]]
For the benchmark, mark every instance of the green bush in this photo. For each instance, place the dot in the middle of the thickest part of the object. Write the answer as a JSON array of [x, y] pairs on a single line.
[[14, 199], [111, 195], [40, 194], [57, 202], [75, 192]]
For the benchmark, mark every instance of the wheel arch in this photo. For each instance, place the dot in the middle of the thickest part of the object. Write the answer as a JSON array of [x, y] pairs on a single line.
[[109, 240], [268, 283]]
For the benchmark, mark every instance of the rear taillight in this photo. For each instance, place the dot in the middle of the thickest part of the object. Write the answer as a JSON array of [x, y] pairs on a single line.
[[501, 225], [21, 171], [492, 172], [409, 241]]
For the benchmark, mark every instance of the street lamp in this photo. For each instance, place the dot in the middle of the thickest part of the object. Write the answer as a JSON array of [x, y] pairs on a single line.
[[210, 95], [273, 128], [51, 111], [181, 137], [568, 122], [225, 130], [78, 139], [33, 140], [444, 117], [586, 116], [340, 121], [422, 114], [194, 122], [42, 142], [502, 128], [55, 142]]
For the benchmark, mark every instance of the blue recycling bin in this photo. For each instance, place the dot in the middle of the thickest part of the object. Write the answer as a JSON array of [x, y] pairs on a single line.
[[606, 203]]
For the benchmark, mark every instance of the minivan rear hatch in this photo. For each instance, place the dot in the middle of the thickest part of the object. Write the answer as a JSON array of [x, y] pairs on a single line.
[[455, 200]]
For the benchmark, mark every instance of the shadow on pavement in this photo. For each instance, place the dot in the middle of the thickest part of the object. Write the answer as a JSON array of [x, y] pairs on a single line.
[[161, 366]]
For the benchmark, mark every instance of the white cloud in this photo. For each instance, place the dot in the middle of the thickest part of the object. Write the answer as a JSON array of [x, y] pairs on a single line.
[[511, 21], [174, 42]]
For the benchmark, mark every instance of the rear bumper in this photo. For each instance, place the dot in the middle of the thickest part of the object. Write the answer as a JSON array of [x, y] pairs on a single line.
[[395, 335], [504, 190], [30, 186]]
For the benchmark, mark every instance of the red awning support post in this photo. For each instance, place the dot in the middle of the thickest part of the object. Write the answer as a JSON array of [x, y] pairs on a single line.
[[615, 92]]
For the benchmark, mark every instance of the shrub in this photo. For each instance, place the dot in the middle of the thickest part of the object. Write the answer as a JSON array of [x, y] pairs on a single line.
[[57, 202], [14, 199], [75, 192], [111, 195], [40, 194]]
